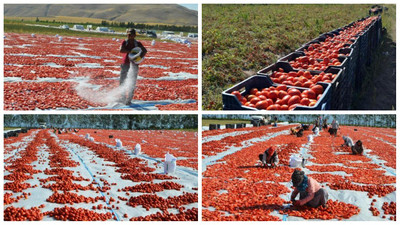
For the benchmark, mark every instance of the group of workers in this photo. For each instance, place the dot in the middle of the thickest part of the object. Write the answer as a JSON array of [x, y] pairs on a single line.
[[311, 192], [64, 130]]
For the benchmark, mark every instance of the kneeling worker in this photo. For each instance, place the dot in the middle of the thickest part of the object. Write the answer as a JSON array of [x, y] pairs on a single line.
[[311, 193]]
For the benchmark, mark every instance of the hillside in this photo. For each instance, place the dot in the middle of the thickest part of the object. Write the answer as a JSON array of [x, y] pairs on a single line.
[[164, 14]]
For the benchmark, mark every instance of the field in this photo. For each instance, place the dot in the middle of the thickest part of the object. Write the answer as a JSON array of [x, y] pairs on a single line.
[[239, 40], [70, 176], [235, 187], [43, 72], [29, 24]]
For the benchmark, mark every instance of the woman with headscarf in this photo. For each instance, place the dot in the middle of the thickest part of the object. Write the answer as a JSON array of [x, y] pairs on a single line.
[[311, 193], [270, 156]]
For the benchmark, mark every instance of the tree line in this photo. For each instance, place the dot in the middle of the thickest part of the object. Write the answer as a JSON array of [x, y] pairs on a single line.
[[141, 26]]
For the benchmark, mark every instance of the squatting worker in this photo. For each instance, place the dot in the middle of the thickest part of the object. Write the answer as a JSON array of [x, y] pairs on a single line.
[[311, 193], [270, 156], [126, 47], [347, 141]]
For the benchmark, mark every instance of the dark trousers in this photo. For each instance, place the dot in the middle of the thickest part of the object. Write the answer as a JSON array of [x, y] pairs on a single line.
[[320, 198]]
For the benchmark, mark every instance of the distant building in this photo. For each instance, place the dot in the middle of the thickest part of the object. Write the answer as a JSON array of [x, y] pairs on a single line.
[[102, 29], [42, 125], [166, 33], [65, 26], [78, 27], [151, 33]]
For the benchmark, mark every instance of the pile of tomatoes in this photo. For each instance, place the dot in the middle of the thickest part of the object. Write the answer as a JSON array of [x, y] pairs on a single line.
[[301, 78], [210, 148], [389, 208], [181, 144], [152, 188], [188, 215], [65, 182], [310, 63], [153, 201], [281, 97], [334, 210], [317, 56], [236, 187], [44, 57], [72, 214], [21, 214]]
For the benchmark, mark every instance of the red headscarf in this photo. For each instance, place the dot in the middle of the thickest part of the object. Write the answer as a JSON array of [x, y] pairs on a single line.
[[271, 151]]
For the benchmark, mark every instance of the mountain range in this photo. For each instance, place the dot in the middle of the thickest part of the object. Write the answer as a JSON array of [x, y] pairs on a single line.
[[138, 13]]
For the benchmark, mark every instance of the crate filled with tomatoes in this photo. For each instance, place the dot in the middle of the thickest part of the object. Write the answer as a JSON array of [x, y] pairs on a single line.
[[260, 93], [335, 58]]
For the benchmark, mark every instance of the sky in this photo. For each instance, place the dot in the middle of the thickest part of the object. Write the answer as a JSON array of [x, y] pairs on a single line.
[[190, 6]]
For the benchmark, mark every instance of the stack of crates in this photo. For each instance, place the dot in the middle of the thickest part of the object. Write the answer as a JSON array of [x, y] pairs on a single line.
[[338, 94]]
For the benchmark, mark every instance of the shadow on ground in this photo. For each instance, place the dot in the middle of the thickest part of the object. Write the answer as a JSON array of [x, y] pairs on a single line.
[[378, 91]]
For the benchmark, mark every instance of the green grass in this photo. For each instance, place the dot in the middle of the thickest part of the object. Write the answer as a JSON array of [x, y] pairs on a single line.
[[207, 122], [239, 40], [11, 128]]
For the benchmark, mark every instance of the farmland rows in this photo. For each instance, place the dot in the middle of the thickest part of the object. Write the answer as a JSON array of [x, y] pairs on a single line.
[[214, 147], [66, 177], [237, 188], [39, 68], [153, 143]]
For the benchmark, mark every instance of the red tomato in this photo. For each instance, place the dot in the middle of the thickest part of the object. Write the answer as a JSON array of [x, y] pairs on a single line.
[[298, 84], [282, 94], [318, 89], [310, 94], [262, 97], [274, 107], [307, 74], [265, 92], [270, 102], [284, 107], [250, 97], [254, 100], [308, 84], [273, 95], [294, 91], [285, 99], [294, 100], [287, 82], [262, 104], [236, 93], [253, 91], [281, 87], [305, 101]]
